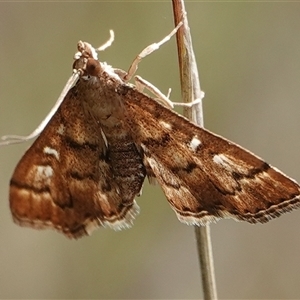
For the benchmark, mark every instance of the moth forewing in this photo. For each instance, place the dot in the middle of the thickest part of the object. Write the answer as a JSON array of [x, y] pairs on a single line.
[[66, 181], [203, 175]]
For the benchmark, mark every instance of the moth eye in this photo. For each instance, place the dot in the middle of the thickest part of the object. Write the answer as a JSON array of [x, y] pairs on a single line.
[[93, 67]]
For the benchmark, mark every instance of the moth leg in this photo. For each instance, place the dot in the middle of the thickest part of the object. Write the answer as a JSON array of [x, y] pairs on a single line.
[[192, 103], [162, 98], [148, 50]]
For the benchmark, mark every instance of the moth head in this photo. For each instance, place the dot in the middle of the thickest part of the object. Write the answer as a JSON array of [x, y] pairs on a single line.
[[87, 67], [81, 59], [86, 59], [90, 68]]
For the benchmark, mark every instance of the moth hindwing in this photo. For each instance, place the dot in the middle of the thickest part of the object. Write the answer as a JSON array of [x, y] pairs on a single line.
[[90, 161]]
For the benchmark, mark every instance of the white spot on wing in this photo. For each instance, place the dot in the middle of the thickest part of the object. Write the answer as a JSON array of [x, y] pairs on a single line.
[[165, 124], [51, 151], [195, 142], [42, 176], [44, 171], [61, 129], [223, 161], [218, 159]]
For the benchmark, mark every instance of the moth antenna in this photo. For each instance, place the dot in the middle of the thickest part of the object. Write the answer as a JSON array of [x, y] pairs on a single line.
[[148, 50], [169, 93], [190, 104], [15, 139], [108, 43]]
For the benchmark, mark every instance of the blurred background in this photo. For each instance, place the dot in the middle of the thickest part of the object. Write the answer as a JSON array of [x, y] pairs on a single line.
[[248, 57]]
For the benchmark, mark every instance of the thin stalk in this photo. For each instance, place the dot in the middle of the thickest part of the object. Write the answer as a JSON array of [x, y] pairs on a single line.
[[190, 89]]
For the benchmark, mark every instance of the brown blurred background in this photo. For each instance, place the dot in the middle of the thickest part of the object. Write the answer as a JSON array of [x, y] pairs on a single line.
[[248, 57]]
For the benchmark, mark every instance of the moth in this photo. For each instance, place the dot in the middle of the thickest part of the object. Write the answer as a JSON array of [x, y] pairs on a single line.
[[104, 136]]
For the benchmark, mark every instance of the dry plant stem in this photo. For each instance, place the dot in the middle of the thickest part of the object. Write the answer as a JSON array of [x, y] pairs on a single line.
[[190, 87]]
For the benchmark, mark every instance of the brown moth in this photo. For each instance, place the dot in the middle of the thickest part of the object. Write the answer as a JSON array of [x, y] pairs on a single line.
[[91, 158]]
